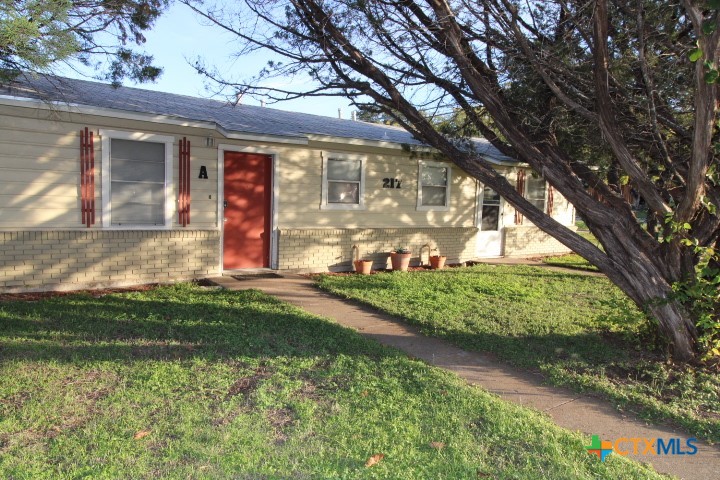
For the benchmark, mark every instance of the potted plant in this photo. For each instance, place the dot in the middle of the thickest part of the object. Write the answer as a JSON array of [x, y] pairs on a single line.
[[363, 266], [437, 262], [400, 259]]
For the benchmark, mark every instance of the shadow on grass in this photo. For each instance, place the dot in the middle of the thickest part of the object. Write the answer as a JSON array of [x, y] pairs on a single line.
[[177, 323], [205, 417], [583, 350], [170, 323], [540, 271], [614, 331], [616, 354]]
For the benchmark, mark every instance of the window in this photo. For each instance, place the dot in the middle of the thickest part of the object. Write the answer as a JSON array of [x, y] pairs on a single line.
[[137, 179], [490, 210], [535, 191], [433, 186], [343, 181]]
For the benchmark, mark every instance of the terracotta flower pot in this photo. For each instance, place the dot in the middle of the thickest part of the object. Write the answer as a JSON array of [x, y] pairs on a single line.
[[437, 262], [400, 261], [363, 266]]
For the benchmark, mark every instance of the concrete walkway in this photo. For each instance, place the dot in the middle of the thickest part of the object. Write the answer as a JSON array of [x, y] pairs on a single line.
[[568, 409]]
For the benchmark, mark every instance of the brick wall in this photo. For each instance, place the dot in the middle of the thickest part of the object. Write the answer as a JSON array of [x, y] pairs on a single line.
[[528, 241], [68, 260], [331, 249]]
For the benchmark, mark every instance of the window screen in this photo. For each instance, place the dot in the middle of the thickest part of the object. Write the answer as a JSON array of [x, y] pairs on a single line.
[[490, 219], [343, 177], [535, 191], [137, 182], [433, 184]]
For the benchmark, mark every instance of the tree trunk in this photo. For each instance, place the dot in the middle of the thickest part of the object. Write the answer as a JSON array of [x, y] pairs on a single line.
[[644, 279], [677, 326], [652, 294]]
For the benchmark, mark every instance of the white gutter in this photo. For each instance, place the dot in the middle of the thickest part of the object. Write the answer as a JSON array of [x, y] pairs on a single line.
[[262, 138], [369, 143], [401, 146]]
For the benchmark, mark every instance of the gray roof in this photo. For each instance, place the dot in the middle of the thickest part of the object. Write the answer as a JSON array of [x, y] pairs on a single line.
[[232, 118]]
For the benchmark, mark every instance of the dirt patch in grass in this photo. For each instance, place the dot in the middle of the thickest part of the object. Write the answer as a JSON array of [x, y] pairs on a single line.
[[87, 385], [281, 420], [16, 400], [246, 385], [35, 296], [310, 391], [83, 392]]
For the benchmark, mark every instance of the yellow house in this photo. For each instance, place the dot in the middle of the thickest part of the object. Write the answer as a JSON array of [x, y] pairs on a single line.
[[113, 186]]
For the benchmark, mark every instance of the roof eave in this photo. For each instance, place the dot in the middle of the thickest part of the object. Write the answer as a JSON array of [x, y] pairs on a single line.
[[369, 143], [28, 102], [504, 163], [402, 146], [301, 139]]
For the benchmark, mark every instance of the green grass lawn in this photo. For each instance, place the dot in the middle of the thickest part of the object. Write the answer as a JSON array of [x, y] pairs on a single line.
[[186, 382], [578, 330], [571, 260]]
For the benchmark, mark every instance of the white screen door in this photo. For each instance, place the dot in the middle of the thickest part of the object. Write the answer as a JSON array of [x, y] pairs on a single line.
[[489, 222]]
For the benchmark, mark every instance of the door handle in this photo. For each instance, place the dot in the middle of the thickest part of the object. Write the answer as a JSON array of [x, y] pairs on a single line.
[[224, 203]]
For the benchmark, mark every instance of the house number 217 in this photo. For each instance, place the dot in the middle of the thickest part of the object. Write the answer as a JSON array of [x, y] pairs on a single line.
[[391, 182]]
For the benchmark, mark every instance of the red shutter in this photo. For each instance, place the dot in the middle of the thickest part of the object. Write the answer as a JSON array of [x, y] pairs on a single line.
[[184, 183], [550, 200], [627, 193], [521, 190], [87, 177]]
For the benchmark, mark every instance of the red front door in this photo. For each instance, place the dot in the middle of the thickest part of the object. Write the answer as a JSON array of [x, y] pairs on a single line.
[[246, 236]]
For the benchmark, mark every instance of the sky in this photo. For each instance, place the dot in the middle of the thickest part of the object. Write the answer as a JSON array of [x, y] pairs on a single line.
[[178, 37]]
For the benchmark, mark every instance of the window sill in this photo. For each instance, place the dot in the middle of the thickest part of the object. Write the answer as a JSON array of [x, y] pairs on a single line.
[[138, 227], [340, 206], [428, 208]]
